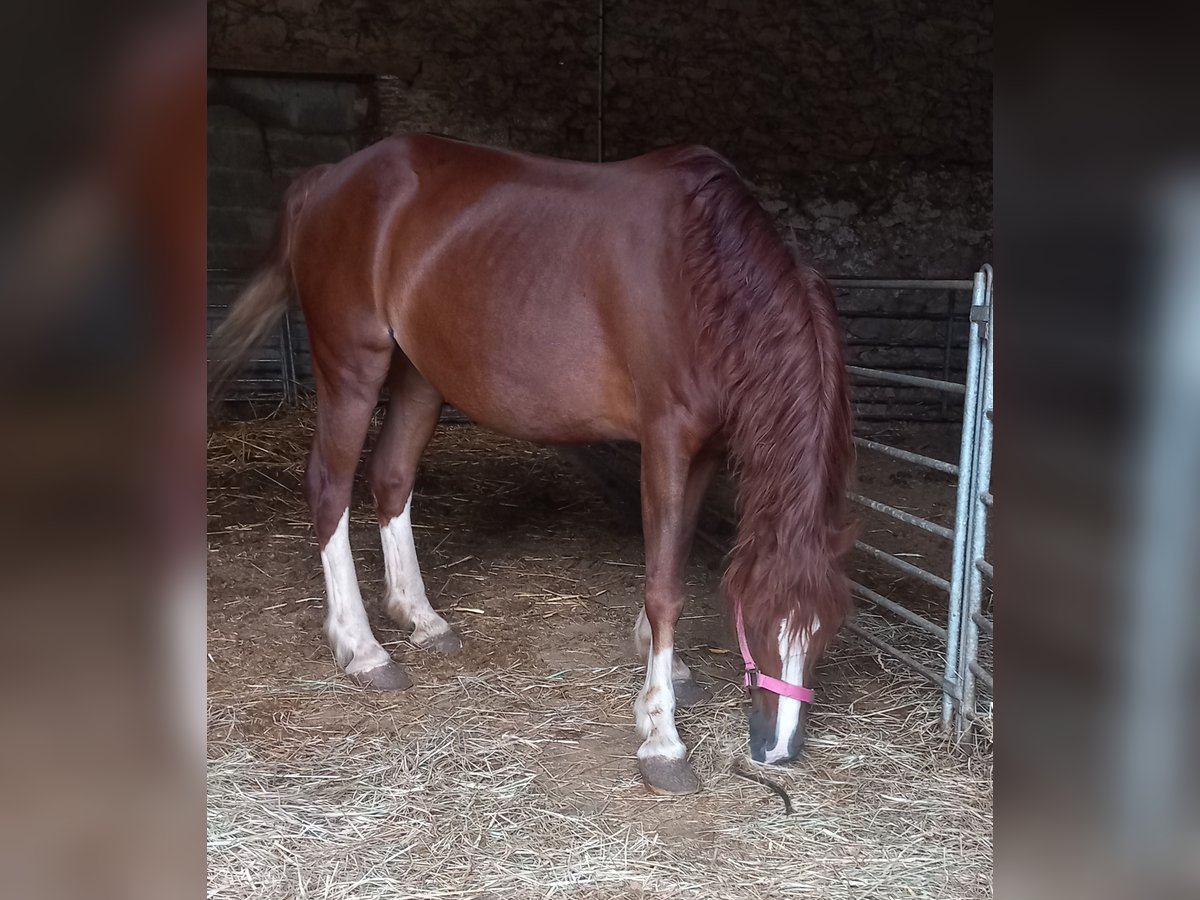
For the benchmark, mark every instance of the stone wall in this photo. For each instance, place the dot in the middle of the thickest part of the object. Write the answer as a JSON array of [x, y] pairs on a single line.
[[865, 123], [262, 132], [516, 72]]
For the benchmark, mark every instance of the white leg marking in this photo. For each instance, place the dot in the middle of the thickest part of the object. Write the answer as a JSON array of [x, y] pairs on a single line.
[[354, 646], [788, 715], [405, 600], [641, 642], [655, 710]]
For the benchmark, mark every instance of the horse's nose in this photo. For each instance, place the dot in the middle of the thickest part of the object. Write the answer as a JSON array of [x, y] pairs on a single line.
[[766, 747]]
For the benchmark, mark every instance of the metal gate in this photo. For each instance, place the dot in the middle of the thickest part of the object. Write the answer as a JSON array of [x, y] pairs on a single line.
[[278, 369], [968, 623]]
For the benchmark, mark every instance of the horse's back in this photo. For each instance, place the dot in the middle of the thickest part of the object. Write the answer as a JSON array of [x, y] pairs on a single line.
[[543, 297]]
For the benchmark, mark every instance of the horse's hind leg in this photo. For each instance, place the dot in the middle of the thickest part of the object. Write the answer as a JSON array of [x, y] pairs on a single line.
[[413, 411], [700, 475], [346, 398]]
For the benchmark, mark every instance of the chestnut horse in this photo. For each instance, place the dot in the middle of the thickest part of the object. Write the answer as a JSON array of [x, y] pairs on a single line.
[[567, 302]]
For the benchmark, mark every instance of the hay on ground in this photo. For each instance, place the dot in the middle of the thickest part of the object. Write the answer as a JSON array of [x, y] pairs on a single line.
[[507, 782]]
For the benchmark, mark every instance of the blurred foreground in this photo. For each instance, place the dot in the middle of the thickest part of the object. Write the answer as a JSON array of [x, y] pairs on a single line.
[[101, 463]]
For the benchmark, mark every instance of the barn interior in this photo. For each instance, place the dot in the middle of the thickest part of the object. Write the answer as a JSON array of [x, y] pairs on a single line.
[[864, 129]]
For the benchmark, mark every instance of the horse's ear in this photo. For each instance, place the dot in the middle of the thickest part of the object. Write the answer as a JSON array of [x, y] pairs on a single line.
[[843, 540]]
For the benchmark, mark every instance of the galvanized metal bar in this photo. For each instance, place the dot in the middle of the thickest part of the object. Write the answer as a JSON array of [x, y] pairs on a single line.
[[908, 456], [917, 416], [975, 717], [896, 316], [981, 674], [978, 519], [891, 650], [899, 514], [916, 344], [949, 345], [950, 387], [985, 567], [904, 284], [904, 566], [892, 606], [984, 623], [288, 354], [962, 508]]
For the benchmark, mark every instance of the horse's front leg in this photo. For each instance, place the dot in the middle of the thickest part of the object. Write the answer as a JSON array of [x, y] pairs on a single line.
[[688, 692], [662, 758]]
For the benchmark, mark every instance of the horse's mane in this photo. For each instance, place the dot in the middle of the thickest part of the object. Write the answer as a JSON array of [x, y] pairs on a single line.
[[770, 340]]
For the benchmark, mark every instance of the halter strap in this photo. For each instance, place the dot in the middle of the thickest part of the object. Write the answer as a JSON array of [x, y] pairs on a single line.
[[755, 678]]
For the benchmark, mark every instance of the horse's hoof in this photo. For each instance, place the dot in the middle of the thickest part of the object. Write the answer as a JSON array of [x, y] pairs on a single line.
[[388, 677], [690, 692], [447, 642], [668, 776]]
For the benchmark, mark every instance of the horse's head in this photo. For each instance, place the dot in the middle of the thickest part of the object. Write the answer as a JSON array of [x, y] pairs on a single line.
[[780, 659], [781, 643]]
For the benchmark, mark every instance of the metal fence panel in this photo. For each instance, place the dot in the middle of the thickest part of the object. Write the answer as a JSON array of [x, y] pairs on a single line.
[[963, 673], [970, 672]]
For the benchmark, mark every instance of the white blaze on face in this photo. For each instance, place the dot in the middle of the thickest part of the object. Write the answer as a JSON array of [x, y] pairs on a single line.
[[792, 652], [406, 600], [354, 646]]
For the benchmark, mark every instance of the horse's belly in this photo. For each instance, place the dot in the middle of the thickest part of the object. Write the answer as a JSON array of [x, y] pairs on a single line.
[[564, 429], [547, 394]]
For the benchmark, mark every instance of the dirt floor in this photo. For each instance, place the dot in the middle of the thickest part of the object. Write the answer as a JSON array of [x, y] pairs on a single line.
[[509, 770]]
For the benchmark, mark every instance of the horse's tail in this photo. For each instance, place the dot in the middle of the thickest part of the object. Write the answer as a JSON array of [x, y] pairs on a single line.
[[264, 300]]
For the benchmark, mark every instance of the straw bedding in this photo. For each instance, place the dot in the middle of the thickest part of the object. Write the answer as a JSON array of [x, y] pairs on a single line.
[[508, 771]]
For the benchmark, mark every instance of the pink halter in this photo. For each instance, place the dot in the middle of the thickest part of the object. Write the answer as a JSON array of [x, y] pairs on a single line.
[[755, 678]]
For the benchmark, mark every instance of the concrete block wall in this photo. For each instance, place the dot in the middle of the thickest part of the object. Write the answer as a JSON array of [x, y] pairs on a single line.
[[262, 132]]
